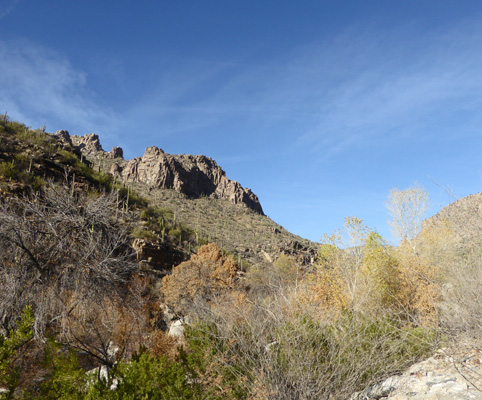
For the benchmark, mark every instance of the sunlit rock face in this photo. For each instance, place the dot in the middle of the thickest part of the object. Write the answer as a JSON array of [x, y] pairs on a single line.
[[194, 176]]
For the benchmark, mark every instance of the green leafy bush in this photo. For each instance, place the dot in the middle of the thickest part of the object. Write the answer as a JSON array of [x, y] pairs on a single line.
[[9, 347], [66, 379], [19, 170], [145, 376]]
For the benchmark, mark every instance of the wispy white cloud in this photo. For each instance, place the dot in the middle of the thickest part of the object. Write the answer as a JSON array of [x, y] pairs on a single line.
[[357, 88], [39, 85], [399, 87], [353, 89]]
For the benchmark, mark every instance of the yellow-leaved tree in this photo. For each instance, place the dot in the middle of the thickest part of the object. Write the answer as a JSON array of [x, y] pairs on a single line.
[[407, 208], [419, 278], [339, 281]]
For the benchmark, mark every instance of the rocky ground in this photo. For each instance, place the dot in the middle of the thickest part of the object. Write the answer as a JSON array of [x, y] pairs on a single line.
[[452, 373]]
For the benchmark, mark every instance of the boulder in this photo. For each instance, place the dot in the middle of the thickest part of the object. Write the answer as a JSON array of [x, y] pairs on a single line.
[[451, 374], [176, 329]]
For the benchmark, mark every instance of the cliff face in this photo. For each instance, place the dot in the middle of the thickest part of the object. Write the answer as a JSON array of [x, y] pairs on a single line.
[[195, 176], [192, 175]]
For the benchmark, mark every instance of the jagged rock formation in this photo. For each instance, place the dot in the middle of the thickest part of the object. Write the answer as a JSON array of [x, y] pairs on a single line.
[[201, 197], [89, 145], [194, 176]]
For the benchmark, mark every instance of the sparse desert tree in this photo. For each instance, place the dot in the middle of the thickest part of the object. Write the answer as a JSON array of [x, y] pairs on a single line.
[[59, 253], [340, 269], [406, 209]]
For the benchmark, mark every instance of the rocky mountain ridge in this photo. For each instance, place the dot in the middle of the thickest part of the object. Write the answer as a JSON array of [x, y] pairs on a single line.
[[194, 176], [200, 195]]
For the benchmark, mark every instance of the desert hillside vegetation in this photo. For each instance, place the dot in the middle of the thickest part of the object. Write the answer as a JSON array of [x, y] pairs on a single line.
[[110, 291]]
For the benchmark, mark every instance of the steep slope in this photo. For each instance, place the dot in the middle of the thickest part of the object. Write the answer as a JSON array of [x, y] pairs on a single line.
[[197, 190], [194, 176], [463, 218]]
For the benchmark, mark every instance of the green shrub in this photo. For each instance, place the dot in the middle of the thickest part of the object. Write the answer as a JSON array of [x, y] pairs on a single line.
[[66, 379], [128, 197], [145, 376], [18, 170], [142, 233], [11, 127], [9, 347], [150, 377], [154, 214], [36, 137], [68, 156], [8, 170]]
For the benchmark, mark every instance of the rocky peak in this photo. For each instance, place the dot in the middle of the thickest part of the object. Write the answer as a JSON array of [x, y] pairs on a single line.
[[117, 152], [64, 137], [88, 144], [194, 176]]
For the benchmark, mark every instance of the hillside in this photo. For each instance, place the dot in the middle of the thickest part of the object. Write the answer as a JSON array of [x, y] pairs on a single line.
[[463, 218], [194, 188], [159, 277], [197, 190]]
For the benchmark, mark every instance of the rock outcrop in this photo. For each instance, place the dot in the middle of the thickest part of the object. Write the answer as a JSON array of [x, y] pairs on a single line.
[[194, 176], [88, 144], [156, 257], [451, 374]]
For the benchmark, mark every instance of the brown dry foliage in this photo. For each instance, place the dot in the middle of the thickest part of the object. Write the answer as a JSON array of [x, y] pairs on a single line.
[[323, 293], [206, 275], [116, 327], [161, 343], [418, 288]]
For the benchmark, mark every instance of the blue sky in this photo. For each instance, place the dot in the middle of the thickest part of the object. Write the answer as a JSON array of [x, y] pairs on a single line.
[[320, 107]]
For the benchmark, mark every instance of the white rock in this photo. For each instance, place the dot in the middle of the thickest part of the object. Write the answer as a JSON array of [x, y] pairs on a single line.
[[176, 329]]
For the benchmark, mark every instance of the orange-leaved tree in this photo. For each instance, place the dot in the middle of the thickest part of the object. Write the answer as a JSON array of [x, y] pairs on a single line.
[[199, 280]]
